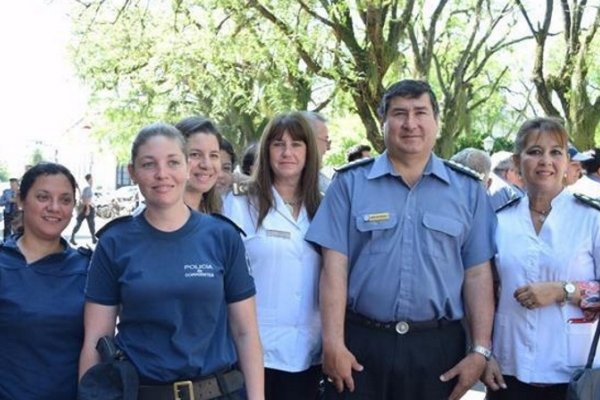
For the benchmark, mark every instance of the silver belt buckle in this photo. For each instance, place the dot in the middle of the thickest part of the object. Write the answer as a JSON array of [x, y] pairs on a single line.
[[402, 327]]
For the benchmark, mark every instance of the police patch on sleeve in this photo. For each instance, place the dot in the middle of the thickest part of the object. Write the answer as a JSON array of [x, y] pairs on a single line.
[[511, 202], [354, 164], [464, 169], [230, 222], [112, 223], [587, 200], [240, 188]]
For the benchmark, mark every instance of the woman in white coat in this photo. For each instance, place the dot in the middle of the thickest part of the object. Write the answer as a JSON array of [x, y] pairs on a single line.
[[275, 209]]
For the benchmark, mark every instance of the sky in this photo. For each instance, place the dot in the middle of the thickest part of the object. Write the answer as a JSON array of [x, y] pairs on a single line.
[[40, 97]]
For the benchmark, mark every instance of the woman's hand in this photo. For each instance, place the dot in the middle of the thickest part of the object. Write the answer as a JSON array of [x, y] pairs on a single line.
[[492, 376], [539, 294]]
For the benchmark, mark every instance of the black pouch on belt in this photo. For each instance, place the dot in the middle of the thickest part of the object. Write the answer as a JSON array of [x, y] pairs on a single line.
[[114, 378]]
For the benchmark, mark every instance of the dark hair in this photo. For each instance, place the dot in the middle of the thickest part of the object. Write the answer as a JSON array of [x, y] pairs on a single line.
[[88, 177], [227, 147], [211, 200], [408, 88], [248, 158], [355, 152], [31, 176], [197, 124], [13, 180], [156, 129], [43, 169], [545, 125], [298, 127], [591, 166]]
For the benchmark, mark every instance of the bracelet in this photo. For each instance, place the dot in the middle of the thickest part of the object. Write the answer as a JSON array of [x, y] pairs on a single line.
[[484, 351]]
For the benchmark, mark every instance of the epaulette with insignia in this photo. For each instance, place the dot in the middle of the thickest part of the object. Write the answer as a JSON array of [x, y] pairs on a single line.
[[224, 218], [590, 201], [114, 222], [511, 202], [86, 251], [463, 169], [240, 188], [354, 164]]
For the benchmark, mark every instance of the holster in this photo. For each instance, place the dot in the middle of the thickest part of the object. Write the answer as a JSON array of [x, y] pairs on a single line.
[[114, 378]]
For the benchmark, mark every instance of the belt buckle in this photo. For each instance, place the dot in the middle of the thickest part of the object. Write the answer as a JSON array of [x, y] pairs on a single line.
[[402, 327], [182, 385]]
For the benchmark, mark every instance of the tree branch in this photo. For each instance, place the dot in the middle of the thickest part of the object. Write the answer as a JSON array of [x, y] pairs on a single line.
[[311, 63], [310, 12]]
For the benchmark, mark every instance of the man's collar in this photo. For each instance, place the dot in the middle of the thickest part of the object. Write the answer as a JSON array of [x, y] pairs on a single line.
[[383, 166]]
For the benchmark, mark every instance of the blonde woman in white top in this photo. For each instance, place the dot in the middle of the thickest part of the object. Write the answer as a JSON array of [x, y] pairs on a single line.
[[275, 209], [548, 255]]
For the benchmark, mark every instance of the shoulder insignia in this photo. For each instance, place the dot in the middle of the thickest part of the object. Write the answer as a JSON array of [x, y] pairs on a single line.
[[354, 164], [224, 218], [590, 201], [240, 188], [114, 222], [511, 202], [463, 169], [86, 251]]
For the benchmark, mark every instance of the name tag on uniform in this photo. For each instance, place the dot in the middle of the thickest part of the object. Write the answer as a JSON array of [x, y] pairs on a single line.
[[377, 217], [279, 234]]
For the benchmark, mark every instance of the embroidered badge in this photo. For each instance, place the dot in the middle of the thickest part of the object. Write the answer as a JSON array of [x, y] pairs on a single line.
[[279, 234], [377, 217]]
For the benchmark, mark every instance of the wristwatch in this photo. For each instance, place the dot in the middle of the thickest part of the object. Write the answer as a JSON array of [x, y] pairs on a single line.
[[484, 351], [569, 288]]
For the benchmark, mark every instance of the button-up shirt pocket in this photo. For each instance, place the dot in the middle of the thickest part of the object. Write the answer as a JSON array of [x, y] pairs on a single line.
[[441, 236], [579, 337], [379, 230]]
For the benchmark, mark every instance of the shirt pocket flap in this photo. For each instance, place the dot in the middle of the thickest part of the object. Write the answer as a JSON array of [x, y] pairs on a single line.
[[376, 222], [445, 225]]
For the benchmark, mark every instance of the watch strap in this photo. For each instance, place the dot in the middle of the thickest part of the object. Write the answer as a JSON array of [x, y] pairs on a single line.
[[484, 351]]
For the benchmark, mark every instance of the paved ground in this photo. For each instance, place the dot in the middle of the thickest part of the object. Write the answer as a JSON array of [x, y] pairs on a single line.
[[83, 237]]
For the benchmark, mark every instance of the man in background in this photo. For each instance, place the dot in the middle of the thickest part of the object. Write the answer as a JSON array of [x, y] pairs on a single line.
[[86, 211], [575, 168], [9, 201], [318, 124], [357, 152], [589, 184], [477, 160]]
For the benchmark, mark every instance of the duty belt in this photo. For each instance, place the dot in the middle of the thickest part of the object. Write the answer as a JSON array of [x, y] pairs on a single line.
[[206, 388], [400, 327]]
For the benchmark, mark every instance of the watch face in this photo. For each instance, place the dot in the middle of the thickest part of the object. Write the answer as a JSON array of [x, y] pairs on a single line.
[[570, 288]]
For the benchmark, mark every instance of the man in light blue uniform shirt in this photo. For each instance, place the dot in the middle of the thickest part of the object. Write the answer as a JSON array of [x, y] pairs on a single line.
[[406, 241]]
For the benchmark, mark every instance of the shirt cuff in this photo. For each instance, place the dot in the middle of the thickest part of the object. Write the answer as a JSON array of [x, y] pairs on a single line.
[[590, 295]]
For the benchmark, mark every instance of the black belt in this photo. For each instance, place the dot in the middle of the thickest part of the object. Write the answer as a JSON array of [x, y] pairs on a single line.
[[206, 388], [399, 327]]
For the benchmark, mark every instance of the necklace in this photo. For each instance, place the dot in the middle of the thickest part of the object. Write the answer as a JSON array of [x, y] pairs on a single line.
[[542, 214], [291, 204]]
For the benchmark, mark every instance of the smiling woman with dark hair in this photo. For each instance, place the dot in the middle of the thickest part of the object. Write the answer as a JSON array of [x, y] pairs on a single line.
[[41, 292], [203, 148], [548, 257], [275, 213]]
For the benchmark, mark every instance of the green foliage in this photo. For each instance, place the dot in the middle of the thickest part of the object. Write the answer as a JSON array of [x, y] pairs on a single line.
[[4, 175], [476, 141], [36, 156], [344, 132], [240, 62], [157, 63]]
